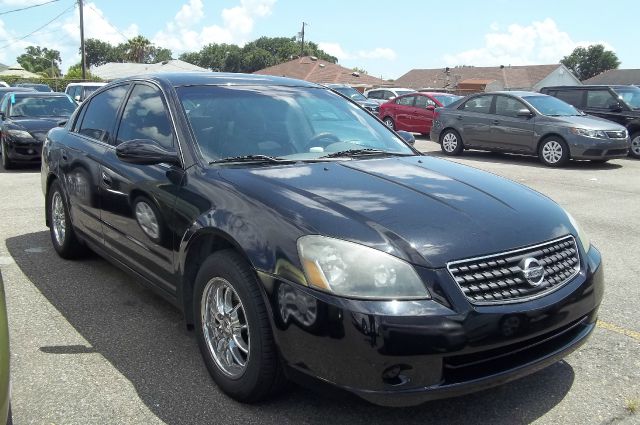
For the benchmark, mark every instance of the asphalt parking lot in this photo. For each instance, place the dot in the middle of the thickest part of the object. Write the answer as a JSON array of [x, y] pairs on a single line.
[[89, 345]]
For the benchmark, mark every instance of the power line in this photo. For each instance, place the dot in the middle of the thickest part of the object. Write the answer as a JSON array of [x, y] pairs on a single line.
[[90, 6], [41, 27], [28, 7]]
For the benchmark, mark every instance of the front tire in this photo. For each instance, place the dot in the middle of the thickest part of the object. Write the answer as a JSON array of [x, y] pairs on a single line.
[[63, 236], [553, 152], [388, 121], [634, 150], [6, 162], [451, 143], [233, 329]]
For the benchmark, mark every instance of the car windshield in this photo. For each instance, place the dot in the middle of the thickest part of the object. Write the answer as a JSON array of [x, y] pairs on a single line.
[[351, 93], [401, 92], [446, 99], [631, 95], [42, 106], [295, 123], [552, 106]]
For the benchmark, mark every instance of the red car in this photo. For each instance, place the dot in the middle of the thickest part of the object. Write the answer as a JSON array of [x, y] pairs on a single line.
[[414, 112]]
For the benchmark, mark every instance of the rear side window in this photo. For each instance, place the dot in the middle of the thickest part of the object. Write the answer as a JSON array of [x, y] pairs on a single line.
[[572, 97], [601, 99], [480, 104], [100, 113], [375, 95], [405, 101], [146, 117]]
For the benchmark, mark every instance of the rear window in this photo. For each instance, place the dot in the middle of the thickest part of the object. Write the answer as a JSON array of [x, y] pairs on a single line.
[[572, 97]]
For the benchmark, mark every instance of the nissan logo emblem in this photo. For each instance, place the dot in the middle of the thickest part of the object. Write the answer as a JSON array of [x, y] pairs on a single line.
[[532, 270]]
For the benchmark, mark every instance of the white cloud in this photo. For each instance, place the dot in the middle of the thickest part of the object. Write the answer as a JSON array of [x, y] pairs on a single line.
[[181, 34], [20, 3], [540, 42], [335, 49]]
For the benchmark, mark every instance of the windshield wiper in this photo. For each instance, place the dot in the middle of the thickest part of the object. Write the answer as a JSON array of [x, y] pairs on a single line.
[[362, 152], [253, 158]]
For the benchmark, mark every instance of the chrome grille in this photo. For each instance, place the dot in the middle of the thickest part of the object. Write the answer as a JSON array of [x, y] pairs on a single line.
[[499, 278], [616, 134]]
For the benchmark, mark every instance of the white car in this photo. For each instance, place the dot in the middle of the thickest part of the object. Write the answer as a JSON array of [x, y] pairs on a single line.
[[3, 84], [385, 94], [80, 91]]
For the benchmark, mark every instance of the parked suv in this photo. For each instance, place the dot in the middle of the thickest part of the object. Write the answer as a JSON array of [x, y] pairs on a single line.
[[527, 123], [386, 94], [620, 104], [80, 91]]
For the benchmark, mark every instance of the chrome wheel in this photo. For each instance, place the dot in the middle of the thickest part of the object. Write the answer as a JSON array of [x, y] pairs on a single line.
[[147, 219], [225, 327], [552, 152], [635, 146], [388, 122], [58, 219], [449, 142]]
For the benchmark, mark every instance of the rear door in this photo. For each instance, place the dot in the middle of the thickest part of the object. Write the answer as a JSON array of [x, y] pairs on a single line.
[[423, 117], [138, 200], [509, 132], [82, 156], [475, 120], [403, 111]]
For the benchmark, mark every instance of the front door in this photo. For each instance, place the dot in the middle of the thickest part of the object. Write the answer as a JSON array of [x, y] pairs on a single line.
[[138, 200], [423, 117], [510, 132], [403, 111]]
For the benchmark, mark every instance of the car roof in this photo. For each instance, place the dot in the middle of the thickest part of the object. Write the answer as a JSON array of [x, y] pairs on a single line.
[[181, 79], [433, 93], [87, 83], [17, 89], [518, 93], [590, 86]]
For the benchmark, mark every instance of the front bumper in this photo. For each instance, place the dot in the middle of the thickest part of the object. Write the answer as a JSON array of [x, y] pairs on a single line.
[[24, 150], [402, 353], [589, 148]]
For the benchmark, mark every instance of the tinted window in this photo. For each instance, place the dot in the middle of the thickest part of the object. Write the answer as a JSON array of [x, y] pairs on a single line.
[[405, 101], [572, 97], [100, 113], [508, 106], [601, 99], [630, 94], [480, 104], [88, 90], [146, 117], [374, 95]]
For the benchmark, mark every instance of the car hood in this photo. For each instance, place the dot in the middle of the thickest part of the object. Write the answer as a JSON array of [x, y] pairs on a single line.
[[368, 103], [425, 210], [588, 122]]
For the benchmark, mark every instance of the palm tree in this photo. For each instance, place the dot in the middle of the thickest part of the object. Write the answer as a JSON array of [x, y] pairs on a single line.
[[138, 48]]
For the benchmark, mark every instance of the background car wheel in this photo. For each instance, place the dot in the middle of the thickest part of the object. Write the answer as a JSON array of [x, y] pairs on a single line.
[[634, 151], [233, 329], [63, 236], [388, 121], [6, 162], [553, 152], [451, 143]]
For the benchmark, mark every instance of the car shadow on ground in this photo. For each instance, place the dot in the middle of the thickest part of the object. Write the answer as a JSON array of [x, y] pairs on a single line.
[[20, 168], [145, 339]]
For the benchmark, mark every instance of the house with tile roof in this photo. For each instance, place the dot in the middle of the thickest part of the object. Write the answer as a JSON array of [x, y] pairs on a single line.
[[616, 76], [473, 79], [312, 69]]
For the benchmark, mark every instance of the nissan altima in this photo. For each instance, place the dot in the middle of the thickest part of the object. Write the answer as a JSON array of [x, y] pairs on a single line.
[[304, 240]]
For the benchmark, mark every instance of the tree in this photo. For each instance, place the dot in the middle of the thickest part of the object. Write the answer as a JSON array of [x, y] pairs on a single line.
[[212, 56], [588, 62], [256, 59], [138, 49], [41, 60], [98, 52], [75, 73]]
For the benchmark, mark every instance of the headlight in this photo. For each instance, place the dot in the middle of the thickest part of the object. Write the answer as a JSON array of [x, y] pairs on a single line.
[[596, 134], [352, 270], [584, 239], [20, 134]]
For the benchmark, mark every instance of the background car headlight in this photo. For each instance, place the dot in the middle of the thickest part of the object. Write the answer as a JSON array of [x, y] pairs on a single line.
[[352, 270], [596, 134], [20, 134], [584, 239]]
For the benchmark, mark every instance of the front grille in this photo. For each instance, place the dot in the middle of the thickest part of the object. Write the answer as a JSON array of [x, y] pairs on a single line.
[[500, 278], [617, 134]]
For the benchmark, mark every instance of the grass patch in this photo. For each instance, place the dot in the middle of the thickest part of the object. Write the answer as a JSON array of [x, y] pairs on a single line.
[[632, 405]]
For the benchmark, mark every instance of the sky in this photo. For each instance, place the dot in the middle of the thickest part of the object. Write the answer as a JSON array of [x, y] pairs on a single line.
[[386, 39]]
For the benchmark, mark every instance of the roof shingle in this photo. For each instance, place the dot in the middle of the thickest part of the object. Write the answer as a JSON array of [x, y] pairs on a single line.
[[616, 76]]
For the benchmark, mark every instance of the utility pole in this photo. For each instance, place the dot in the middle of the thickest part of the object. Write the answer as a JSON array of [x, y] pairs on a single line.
[[82, 54], [302, 37]]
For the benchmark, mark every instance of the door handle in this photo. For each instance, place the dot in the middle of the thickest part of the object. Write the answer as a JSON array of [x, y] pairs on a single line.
[[459, 117], [106, 179], [495, 122]]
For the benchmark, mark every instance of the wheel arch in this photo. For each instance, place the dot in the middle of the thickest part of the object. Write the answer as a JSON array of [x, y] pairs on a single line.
[[548, 136]]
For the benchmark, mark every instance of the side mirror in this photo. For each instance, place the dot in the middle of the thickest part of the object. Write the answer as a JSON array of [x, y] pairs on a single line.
[[62, 123], [407, 137], [77, 98], [145, 152], [430, 107], [524, 113], [615, 107]]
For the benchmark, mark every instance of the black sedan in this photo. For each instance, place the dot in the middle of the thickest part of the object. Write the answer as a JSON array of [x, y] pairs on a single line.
[[26, 119], [303, 239]]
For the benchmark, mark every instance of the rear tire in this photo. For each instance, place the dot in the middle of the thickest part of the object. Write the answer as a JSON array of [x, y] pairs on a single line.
[[451, 143], [634, 150], [388, 121], [63, 236], [235, 337], [553, 152]]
